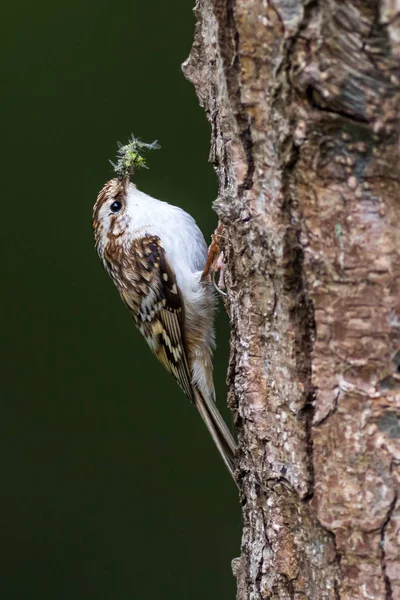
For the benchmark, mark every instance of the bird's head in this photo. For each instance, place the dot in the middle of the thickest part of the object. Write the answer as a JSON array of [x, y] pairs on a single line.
[[111, 216], [113, 212]]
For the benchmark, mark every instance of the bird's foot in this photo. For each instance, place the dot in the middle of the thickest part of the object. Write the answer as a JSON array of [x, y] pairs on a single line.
[[215, 261]]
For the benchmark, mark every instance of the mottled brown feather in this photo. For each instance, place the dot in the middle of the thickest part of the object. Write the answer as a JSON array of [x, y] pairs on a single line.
[[147, 285]]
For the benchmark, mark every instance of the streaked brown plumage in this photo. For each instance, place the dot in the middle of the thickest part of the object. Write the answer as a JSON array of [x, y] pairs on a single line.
[[172, 309]]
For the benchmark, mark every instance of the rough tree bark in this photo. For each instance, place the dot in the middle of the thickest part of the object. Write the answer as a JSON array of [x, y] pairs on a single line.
[[303, 99]]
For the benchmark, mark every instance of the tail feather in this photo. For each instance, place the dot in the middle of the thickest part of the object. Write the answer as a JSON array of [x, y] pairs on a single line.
[[218, 430]]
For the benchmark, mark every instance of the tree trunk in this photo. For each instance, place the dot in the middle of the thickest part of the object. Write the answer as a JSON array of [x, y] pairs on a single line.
[[303, 99]]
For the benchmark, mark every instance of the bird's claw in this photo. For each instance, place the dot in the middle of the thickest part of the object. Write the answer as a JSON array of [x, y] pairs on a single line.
[[215, 261]]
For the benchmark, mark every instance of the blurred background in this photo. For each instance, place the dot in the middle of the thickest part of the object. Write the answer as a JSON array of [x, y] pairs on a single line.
[[111, 487]]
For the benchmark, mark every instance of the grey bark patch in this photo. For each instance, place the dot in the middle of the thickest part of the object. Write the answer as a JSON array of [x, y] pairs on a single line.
[[389, 383], [390, 424], [396, 359]]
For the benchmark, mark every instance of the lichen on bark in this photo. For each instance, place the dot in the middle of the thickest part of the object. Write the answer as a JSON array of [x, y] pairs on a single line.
[[303, 99]]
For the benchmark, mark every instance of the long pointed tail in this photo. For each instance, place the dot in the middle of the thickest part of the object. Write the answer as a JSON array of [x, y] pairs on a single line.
[[218, 429]]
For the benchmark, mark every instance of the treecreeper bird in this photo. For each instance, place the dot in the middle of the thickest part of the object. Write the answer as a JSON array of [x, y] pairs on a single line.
[[157, 256]]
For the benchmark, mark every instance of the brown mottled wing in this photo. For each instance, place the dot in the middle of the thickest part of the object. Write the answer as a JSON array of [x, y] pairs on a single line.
[[159, 309]]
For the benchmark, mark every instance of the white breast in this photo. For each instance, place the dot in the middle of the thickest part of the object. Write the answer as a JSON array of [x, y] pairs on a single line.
[[182, 239]]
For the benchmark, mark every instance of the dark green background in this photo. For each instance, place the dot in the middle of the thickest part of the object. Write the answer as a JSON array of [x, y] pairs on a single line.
[[110, 486]]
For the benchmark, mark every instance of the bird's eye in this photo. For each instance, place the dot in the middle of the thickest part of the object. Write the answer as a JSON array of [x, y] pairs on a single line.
[[116, 206]]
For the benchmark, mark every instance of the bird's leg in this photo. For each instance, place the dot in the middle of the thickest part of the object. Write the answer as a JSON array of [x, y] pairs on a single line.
[[213, 253], [215, 260], [219, 266]]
